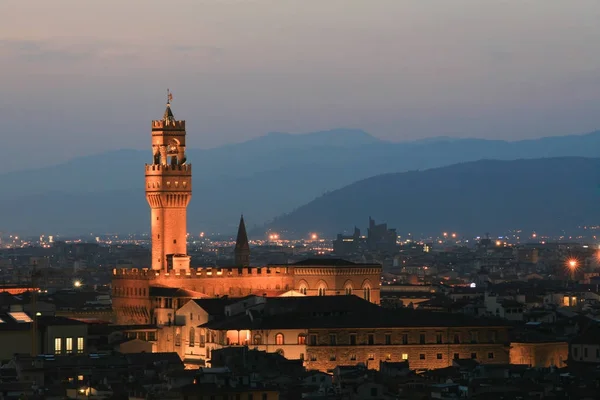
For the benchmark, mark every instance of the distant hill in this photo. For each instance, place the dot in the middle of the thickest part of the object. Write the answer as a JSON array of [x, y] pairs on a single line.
[[262, 178], [545, 195]]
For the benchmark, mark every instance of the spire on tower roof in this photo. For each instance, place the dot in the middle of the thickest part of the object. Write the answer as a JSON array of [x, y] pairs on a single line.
[[242, 237], [168, 116]]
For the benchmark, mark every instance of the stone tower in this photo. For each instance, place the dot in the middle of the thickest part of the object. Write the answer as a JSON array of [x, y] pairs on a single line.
[[168, 191], [242, 248]]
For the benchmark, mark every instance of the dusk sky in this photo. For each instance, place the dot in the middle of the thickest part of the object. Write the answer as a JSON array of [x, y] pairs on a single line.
[[81, 77]]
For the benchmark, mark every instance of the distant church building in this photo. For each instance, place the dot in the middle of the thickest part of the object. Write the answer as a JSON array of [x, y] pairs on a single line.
[[151, 295], [242, 247]]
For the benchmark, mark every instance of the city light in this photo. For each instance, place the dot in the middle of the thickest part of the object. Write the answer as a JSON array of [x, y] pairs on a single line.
[[77, 284], [314, 236], [572, 265]]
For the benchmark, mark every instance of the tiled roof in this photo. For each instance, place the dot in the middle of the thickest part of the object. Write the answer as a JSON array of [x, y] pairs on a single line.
[[323, 312]]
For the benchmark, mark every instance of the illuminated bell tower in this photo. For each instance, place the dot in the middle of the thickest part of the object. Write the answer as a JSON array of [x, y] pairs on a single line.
[[168, 191]]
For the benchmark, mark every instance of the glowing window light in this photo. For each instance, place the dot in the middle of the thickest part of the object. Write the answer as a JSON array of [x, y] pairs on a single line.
[[20, 316]]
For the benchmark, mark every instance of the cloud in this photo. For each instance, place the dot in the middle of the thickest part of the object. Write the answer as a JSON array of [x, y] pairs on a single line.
[[45, 51], [72, 50]]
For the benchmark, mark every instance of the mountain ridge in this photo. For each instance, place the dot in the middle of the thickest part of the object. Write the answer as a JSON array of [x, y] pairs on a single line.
[[263, 179], [536, 194]]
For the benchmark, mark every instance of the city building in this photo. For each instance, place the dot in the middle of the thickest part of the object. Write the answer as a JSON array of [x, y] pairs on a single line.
[[152, 295]]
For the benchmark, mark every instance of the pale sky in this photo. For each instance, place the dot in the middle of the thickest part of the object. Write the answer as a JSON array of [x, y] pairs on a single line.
[[79, 77]]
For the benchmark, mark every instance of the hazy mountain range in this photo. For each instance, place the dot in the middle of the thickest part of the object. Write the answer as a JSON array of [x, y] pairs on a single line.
[[543, 195], [262, 178]]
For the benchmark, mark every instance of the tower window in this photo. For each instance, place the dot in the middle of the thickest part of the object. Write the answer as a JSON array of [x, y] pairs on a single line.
[[174, 241], [159, 236]]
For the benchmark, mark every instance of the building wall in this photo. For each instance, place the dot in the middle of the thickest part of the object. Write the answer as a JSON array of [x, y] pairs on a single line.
[[63, 333], [324, 356], [132, 304], [540, 354], [14, 342], [585, 353]]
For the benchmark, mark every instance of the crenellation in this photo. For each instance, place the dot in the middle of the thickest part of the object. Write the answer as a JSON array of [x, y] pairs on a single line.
[[171, 125], [159, 169]]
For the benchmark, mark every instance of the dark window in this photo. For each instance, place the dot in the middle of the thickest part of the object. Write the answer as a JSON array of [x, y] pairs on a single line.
[[371, 339], [438, 338], [422, 338], [421, 356], [313, 340], [405, 338], [456, 356], [575, 351], [332, 340], [353, 339], [474, 356], [490, 356], [439, 356], [264, 396], [388, 339], [374, 392], [585, 352], [332, 357], [456, 338]]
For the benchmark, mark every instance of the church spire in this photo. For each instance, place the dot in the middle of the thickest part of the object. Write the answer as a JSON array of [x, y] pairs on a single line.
[[242, 247]]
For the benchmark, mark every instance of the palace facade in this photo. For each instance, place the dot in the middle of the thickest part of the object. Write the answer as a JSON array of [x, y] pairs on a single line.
[[152, 295]]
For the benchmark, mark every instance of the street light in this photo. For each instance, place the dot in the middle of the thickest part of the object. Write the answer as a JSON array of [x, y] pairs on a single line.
[[572, 264]]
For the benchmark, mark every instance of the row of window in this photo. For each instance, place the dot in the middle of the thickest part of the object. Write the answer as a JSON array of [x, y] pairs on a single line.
[[585, 352], [68, 345], [348, 291], [353, 339], [404, 339], [128, 291], [388, 357]]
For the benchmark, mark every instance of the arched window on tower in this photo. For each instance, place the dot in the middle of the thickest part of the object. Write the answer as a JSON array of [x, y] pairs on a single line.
[[192, 338], [321, 291]]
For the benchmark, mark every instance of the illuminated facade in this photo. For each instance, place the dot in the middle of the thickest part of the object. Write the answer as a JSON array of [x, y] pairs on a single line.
[[152, 295]]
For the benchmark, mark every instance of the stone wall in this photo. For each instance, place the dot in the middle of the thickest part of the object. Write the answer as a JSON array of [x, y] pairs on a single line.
[[540, 354], [388, 345]]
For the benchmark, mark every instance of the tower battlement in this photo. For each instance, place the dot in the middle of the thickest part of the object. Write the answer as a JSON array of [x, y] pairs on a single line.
[[160, 124], [201, 272], [158, 169]]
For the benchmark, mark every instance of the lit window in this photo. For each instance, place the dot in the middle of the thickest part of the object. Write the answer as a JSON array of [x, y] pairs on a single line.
[[69, 345], [80, 345], [20, 316], [301, 339], [57, 345], [405, 356], [279, 338]]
